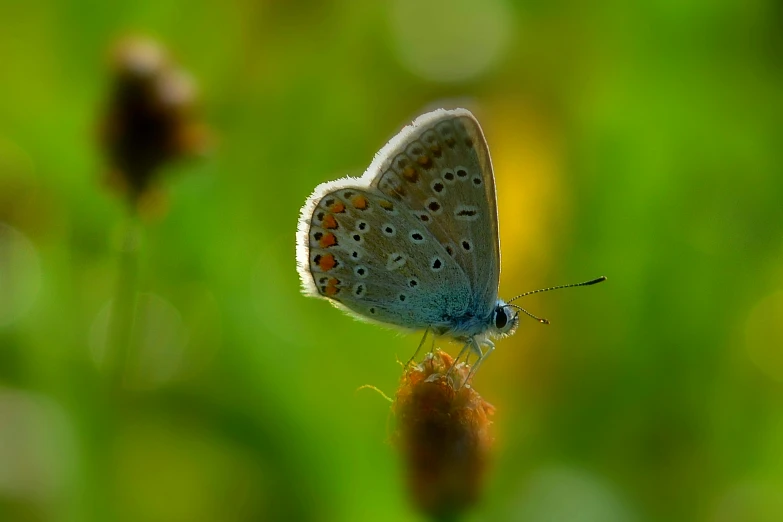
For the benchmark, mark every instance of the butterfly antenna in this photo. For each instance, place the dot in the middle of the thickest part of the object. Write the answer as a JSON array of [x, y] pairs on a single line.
[[586, 283], [539, 319]]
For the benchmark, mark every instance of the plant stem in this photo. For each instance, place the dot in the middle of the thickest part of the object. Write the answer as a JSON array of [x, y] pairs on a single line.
[[123, 307]]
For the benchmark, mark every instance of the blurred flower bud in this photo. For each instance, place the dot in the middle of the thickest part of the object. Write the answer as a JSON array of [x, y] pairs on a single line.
[[150, 116], [443, 433]]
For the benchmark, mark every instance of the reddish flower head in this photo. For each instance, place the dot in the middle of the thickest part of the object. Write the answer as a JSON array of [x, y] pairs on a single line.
[[443, 432]]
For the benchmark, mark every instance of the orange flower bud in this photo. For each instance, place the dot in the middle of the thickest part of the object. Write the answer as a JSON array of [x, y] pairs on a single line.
[[443, 433]]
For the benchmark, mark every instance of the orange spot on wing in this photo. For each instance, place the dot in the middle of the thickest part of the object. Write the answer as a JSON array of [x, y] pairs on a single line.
[[425, 161], [327, 240], [386, 205], [410, 174], [327, 262], [329, 222], [360, 202], [331, 287], [338, 207]]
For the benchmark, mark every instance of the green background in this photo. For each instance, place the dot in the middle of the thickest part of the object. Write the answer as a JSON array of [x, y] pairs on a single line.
[[643, 142]]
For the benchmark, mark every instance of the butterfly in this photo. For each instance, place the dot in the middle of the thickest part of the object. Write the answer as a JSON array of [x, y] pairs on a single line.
[[414, 242]]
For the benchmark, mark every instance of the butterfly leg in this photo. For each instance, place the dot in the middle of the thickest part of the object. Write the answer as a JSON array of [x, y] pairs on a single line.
[[427, 331], [483, 355], [462, 352]]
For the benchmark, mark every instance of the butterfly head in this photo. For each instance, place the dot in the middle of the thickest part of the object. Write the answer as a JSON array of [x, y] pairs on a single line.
[[505, 319]]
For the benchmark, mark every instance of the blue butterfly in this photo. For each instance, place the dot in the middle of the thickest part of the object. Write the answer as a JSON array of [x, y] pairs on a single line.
[[414, 242]]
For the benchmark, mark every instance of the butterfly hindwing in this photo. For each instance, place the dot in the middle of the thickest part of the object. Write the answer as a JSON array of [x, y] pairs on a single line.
[[369, 255]]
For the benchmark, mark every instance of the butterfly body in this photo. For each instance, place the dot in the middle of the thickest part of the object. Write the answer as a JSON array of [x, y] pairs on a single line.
[[414, 242]]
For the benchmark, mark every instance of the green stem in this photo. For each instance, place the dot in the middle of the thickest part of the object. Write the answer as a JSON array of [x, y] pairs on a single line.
[[123, 307]]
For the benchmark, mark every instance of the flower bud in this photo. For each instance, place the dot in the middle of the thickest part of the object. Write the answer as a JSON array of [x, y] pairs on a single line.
[[149, 119], [443, 433]]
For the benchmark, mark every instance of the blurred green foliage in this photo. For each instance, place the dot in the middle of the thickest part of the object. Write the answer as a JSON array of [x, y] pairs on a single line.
[[639, 141]]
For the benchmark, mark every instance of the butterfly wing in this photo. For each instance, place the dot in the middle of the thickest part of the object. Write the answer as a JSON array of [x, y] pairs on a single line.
[[440, 168], [371, 257], [414, 241]]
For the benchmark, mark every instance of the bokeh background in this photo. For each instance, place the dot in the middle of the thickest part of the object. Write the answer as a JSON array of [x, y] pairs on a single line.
[[643, 142]]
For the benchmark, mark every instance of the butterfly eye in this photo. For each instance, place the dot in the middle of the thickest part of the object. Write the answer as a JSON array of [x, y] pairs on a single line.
[[501, 319]]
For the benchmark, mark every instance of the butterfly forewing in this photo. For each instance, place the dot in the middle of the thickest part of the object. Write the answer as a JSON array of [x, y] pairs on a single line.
[[442, 173], [370, 255]]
